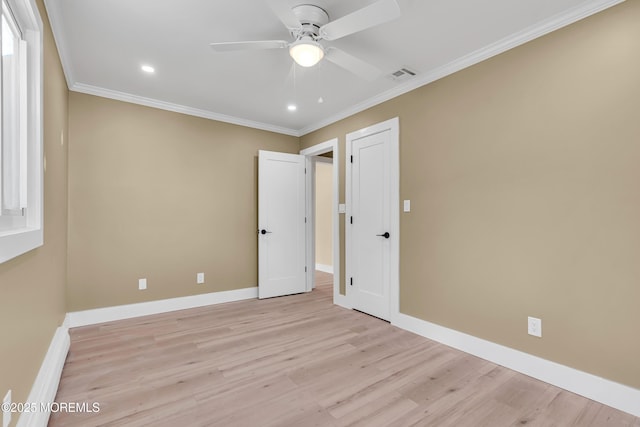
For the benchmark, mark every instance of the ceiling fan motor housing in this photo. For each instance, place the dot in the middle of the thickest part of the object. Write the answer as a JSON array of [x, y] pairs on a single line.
[[312, 18]]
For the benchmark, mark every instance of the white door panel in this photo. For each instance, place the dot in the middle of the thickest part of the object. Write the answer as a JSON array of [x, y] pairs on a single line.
[[370, 222], [373, 229], [281, 216]]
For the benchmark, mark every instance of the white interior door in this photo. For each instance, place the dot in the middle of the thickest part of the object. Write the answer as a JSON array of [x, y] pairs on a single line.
[[373, 220], [281, 224]]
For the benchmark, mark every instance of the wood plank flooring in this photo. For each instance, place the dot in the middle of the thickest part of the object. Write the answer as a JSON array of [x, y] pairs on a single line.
[[298, 361]]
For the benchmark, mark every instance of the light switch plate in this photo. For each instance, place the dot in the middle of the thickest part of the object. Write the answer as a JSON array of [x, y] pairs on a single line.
[[407, 206], [342, 208], [142, 284]]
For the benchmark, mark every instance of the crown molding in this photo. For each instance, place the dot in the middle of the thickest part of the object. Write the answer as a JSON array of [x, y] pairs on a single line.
[[538, 30], [60, 38], [542, 28], [177, 108]]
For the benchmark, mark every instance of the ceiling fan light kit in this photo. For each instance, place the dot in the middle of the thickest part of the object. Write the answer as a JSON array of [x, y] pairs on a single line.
[[306, 52]]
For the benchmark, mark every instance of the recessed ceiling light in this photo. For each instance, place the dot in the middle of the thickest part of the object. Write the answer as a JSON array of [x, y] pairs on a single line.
[[148, 69], [291, 107]]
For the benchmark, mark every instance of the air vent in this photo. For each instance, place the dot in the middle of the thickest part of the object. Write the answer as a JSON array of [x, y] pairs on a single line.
[[402, 74]]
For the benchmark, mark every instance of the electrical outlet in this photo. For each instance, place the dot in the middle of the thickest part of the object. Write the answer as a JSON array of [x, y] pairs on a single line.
[[6, 409], [200, 278], [535, 327], [142, 284]]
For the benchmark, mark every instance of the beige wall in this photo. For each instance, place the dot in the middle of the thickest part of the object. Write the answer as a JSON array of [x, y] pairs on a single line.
[[162, 196], [324, 217], [523, 177], [32, 285]]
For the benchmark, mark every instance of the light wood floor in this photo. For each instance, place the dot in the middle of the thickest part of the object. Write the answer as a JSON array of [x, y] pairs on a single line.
[[298, 361]]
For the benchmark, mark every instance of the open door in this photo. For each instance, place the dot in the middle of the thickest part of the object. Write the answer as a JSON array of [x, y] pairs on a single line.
[[281, 224]]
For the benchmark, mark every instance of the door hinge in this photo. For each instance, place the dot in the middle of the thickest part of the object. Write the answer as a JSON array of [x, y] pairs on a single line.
[[305, 219], [351, 281], [305, 171], [351, 159], [351, 220], [305, 268]]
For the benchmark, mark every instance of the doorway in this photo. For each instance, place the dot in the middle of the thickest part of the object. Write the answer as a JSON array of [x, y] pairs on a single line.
[[311, 154], [323, 213]]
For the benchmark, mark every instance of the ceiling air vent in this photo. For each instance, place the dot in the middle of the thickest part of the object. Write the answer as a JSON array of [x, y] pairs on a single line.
[[402, 74]]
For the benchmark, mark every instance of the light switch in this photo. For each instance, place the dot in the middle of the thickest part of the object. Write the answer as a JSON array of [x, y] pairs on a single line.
[[407, 205], [342, 208]]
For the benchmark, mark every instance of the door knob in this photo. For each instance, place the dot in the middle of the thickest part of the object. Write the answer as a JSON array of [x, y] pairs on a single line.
[[263, 231], [386, 235]]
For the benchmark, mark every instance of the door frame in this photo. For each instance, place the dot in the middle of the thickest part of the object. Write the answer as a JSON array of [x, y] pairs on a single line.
[[392, 125], [330, 146]]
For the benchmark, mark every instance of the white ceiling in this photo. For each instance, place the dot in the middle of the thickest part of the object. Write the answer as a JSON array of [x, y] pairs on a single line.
[[103, 44]]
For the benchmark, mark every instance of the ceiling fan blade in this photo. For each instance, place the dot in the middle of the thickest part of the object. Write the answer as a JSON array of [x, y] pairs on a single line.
[[251, 45], [352, 64], [285, 14], [369, 16]]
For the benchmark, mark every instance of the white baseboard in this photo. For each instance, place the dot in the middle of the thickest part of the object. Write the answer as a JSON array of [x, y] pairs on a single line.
[[341, 300], [120, 312], [45, 386], [601, 390], [324, 268]]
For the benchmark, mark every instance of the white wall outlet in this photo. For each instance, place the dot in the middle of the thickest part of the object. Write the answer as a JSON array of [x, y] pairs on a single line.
[[6, 409], [200, 278], [142, 284], [535, 327]]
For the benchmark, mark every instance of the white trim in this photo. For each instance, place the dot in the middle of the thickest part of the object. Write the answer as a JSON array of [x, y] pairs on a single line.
[[14, 243], [514, 40], [17, 241], [310, 220], [392, 125], [120, 312], [59, 36], [325, 268], [315, 150], [45, 386], [601, 390], [177, 108]]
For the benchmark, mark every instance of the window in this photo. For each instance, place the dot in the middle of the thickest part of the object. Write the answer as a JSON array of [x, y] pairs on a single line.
[[20, 128], [13, 139]]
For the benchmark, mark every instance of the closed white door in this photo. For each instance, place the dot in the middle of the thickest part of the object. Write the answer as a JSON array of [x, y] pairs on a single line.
[[281, 224], [371, 224]]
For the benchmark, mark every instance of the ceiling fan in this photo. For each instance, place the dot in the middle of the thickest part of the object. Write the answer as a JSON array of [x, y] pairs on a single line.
[[309, 24]]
